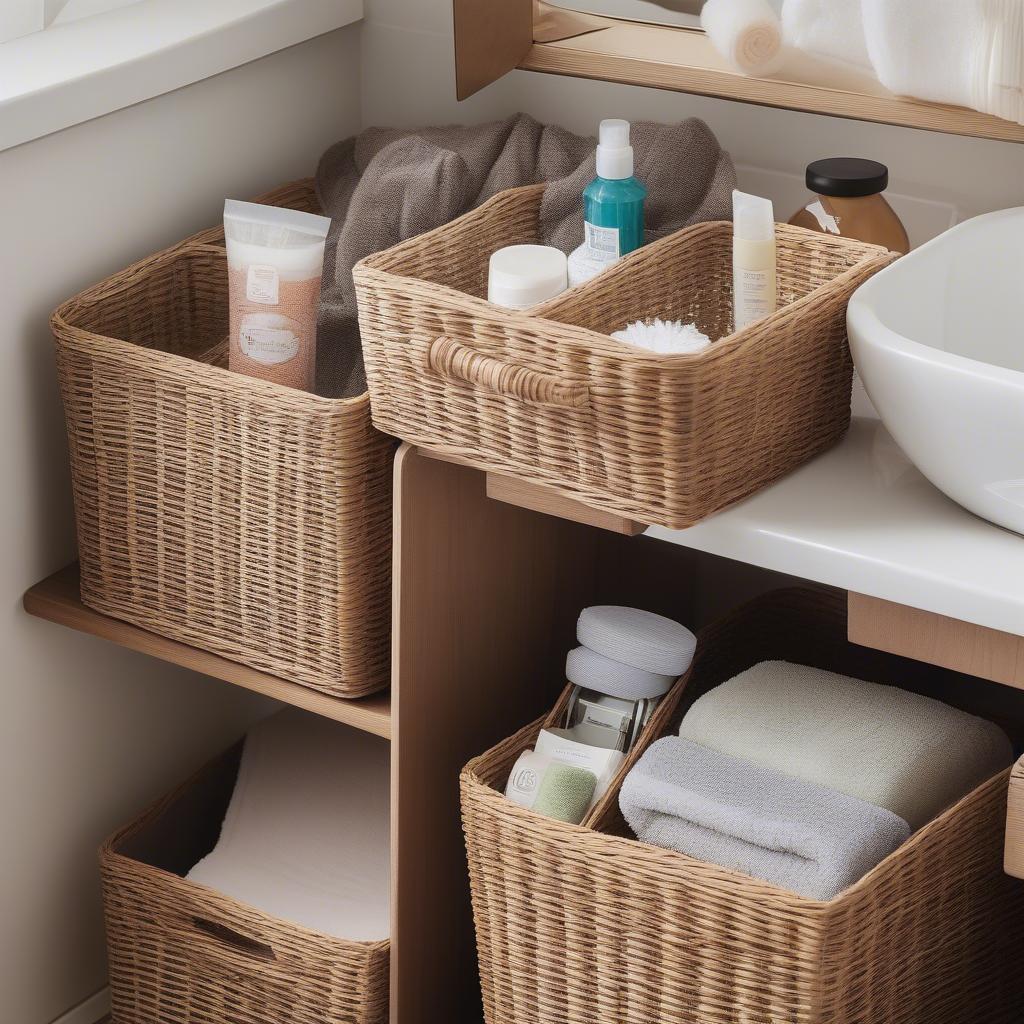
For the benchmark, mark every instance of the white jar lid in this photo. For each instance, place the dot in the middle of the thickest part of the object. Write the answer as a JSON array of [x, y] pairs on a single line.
[[523, 275]]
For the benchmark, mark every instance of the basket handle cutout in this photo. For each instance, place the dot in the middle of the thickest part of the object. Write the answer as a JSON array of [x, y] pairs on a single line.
[[454, 361], [235, 940]]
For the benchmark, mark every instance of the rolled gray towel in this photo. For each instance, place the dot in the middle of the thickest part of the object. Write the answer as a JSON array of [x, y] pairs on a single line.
[[797, 835]]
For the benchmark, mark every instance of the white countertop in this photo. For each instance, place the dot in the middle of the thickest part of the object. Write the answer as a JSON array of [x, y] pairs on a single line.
[[861, 517]]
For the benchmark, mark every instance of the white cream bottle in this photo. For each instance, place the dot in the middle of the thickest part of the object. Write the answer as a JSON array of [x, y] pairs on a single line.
[[753, 259]]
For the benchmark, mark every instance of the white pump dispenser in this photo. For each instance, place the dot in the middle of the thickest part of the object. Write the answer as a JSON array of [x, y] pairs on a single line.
[[614, 153]]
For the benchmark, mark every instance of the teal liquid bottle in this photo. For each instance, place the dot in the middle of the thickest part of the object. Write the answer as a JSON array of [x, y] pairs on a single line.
[[613, 203]]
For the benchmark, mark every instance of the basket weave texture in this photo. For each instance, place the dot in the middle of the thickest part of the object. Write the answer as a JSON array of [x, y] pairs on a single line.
[[232, 514], [182, 953], [585, 925], [548, 397]]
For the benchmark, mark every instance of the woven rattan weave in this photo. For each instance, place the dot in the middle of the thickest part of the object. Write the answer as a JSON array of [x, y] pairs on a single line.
[[232, 514], [181, 953], [548, 397]]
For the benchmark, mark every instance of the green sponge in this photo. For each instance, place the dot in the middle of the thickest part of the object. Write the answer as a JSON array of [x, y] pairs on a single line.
[[565, 793]]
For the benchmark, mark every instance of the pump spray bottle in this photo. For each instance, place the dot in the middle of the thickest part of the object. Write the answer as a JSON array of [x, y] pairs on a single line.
[[613, 206]]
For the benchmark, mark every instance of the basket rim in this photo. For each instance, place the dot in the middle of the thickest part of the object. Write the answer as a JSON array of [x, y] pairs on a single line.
[[109, 854], [67, 332], [379, 268]]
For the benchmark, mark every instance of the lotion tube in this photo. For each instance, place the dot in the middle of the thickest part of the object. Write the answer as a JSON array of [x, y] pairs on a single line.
[[753, 259], [275, 262]]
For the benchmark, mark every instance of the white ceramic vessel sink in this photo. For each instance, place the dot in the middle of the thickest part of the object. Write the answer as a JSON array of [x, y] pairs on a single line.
[[938, 339]]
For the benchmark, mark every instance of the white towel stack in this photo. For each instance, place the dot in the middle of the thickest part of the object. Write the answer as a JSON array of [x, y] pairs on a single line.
[[968, 53], [965, 52], [833, 29], [306, 835]]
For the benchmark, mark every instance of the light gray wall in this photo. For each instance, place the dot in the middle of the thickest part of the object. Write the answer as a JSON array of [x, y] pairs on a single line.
[[89, 733]]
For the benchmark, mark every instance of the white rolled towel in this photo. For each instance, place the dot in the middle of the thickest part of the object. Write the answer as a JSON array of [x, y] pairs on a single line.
[[830, 29], [968, 53], [746, 32]]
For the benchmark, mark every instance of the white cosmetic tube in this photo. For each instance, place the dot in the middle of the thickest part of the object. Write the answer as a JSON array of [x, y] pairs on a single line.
[[753, 259], [275, 262]]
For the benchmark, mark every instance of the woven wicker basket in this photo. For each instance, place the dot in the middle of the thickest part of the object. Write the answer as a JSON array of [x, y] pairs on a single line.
[[181, 953], [584, 925], [551, 399], [236, 515]]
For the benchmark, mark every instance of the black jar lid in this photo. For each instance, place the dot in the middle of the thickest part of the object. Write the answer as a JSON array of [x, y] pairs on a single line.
[[847, 176]]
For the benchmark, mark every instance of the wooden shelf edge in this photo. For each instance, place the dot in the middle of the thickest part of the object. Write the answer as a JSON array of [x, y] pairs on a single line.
[[548, 501], [57, 599], [937, 640], [601, 55]]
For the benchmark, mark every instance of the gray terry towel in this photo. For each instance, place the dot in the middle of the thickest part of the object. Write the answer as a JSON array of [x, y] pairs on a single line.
[[385, 186], [799, 836]]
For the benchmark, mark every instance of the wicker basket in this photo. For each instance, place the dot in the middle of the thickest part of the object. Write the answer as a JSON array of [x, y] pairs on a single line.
[[236, 515], [181, 953], [551, 399], [584, 925]]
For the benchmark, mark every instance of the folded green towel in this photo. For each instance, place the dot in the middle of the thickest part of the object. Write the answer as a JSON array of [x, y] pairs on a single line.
[[565, 793]]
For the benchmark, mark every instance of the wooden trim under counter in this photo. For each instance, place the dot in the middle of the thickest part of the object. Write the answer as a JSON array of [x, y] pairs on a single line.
[[548, 501], [937, 640]]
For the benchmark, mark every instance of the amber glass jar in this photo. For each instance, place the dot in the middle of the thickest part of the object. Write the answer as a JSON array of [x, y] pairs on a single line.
[[849, 202]]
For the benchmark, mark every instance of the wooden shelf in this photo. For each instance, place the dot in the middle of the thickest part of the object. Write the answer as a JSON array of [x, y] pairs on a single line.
[[57, 599], [684, 60]]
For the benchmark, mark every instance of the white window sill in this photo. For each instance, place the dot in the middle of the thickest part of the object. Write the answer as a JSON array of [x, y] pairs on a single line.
[[73, 72]]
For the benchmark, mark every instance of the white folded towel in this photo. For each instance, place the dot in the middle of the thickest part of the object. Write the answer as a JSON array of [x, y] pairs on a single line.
[[968, 53], [965, 52], [910, 754], [799, 836], [305, 837], [746, 32], [832, 29]]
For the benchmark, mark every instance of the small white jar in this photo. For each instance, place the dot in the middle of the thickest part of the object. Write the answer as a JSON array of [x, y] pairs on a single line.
[[522, 276]]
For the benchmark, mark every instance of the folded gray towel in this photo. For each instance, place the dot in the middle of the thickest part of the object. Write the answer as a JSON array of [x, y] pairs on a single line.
[[386, 185], [797, 835]]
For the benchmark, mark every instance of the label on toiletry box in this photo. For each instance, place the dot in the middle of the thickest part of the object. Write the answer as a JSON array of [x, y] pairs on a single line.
[[262, 285], [269, 339], [602, 243]]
